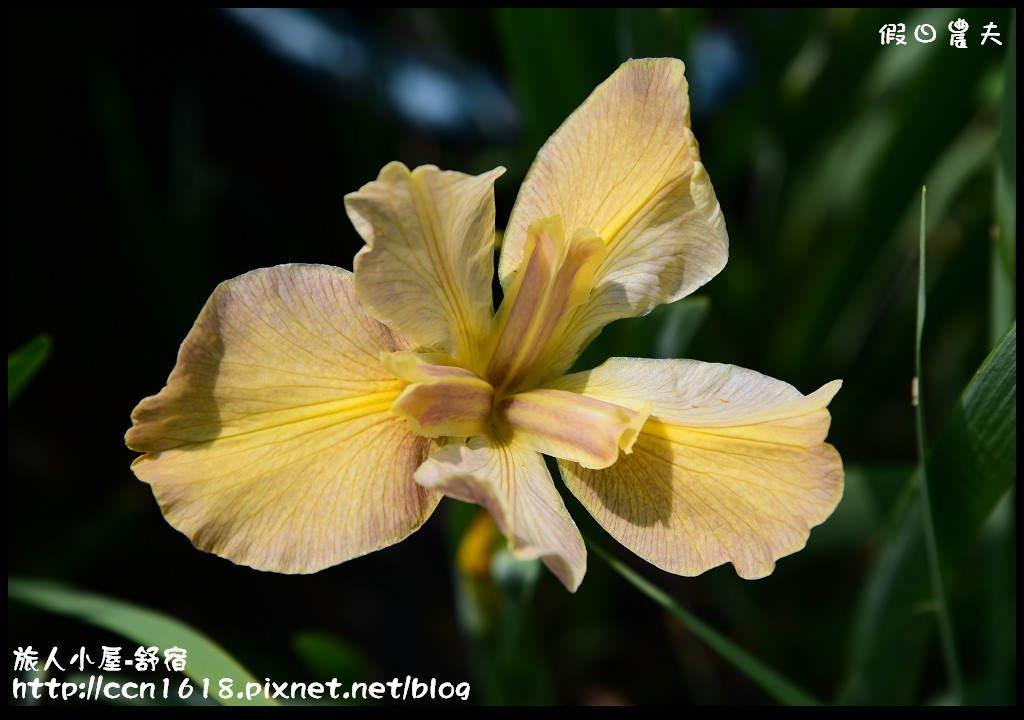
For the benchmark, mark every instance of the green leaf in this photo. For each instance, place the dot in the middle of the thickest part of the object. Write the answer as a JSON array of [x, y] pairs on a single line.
[[973, 461], [764, 676], [989, 584], [895, 616], [1004, 250], [971, 466], [24, 363], [1007, 160], [147, 627]]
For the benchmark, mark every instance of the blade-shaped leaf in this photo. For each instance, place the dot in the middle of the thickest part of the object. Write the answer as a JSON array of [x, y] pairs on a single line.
[[148, 627], [971, 466], [1006, 162], [896, 614], [973, 461], [1004, 251]]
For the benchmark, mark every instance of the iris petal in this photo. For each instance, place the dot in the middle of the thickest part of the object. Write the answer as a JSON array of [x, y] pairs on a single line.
[[731, 467], [557, 277], [427, 266], [272, 443], [571, 426], [625, 165], [512, 483], [442, 400]]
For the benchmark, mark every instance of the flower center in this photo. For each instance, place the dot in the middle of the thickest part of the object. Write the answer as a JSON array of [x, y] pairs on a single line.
[[445, 399], [555, 278]]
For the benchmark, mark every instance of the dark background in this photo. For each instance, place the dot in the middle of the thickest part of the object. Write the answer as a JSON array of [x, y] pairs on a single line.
[[152, 155]]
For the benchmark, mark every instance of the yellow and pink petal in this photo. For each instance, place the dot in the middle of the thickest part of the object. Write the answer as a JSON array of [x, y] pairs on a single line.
[[571, 426], [732, 465], [442, 400], [427, 266], [272, 444], [512, 483], [626, 166], [556, 278]]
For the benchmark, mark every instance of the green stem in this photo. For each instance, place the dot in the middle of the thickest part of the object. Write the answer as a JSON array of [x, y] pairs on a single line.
[[765, 677], [934, 567]]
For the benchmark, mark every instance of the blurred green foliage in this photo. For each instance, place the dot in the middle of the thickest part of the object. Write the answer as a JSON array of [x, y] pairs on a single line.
[[24, 363], [150, 158]]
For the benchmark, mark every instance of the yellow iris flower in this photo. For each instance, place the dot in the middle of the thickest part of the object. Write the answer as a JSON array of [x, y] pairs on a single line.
[[315, 415]]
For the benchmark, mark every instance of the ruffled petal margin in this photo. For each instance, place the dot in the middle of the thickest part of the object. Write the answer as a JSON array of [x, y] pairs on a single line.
[[731, 466], [427, 266], [272, 444]]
